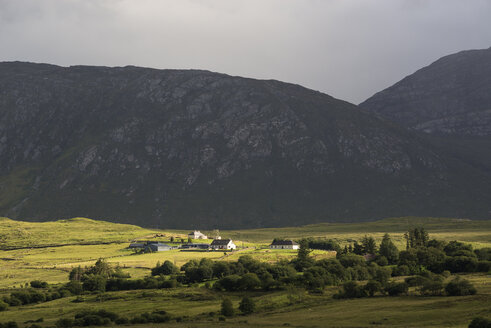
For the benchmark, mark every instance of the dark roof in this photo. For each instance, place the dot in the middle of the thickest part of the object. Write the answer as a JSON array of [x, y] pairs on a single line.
[[159, 245], [283, 242], [220, 242]]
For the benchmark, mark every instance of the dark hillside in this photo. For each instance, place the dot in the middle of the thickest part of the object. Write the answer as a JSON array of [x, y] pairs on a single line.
[[184, 148]]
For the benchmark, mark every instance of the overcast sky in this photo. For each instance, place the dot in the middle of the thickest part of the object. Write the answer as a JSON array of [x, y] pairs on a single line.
[[349, 49]]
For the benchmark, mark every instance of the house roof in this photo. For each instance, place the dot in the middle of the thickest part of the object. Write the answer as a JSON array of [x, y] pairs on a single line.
[[284, 243], [159, 245], [220, 242]]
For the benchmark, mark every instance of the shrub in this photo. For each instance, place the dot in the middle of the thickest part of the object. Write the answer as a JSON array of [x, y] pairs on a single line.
[[247, 305], [39, 284], [397, 288], [352, 290], [480, 322], [460, 287], [74, 287], [461, 264], [122, 321], [372, 287], [401, 270], [227, 308], [431, 288], [382, 261], [11, 324], [166, 268], [3, 306], [65, 323], [483, 266]]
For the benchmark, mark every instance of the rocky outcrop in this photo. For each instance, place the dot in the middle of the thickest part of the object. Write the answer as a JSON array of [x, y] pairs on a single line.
[[187, 148]]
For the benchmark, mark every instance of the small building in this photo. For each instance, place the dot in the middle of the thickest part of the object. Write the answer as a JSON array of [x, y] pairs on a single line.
[[137, 245], [158, 247], [222, 244], [284, 244], [195, 246], [196, 234]]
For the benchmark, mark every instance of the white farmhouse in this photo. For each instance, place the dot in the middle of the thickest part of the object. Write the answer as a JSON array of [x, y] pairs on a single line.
[[284, 244], [222, 244], [196, 234]]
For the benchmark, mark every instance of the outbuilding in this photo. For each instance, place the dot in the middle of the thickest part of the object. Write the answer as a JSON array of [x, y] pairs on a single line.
[[222, 244], [284, 244]]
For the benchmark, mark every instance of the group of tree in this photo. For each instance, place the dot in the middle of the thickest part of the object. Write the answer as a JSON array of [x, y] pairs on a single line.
[[104, 318], [246, 306]]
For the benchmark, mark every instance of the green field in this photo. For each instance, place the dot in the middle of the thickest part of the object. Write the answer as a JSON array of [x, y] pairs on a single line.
[[47, 251]]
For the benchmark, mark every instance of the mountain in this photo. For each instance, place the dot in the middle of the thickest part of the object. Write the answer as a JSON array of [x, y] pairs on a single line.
[[452, 96], [189, 148], [450, 100]]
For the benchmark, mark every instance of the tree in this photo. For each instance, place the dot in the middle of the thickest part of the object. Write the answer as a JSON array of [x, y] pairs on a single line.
[[247, 305], [101, 268], [417, 237], [357, 248], [373, 287], [166, 268], [368, 245], [460, 287], [227, 308], [76, 274], [94, 282], [303, 259], [389, 250]]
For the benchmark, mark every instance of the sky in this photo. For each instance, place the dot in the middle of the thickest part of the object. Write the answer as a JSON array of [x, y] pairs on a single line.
[[349, 49]]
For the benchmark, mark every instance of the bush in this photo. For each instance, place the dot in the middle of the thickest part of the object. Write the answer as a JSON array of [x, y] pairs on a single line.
[[39, 284], [461, 264], [480, 322], [3, 306], [74, 287], [401, 270], [372, 287], [11, 324], [247, 305], [460, 287], [227, 308], [382, 261], [431, 288], [352, 290], [483, 266], [166, 268], [64, 323], [397, 288], [122, 321]]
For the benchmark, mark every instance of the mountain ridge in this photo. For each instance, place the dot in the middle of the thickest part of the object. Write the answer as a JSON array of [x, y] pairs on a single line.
[[180, 148]]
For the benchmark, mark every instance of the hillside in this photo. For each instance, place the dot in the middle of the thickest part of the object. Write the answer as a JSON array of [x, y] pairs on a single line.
[[187, 148], [450, 100], [76, 231], [450, 96]]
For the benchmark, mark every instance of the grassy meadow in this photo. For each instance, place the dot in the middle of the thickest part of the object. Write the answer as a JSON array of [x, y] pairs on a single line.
[[47, 251]]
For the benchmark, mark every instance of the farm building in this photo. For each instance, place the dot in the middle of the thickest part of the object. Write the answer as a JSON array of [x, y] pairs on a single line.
[[195, 246], [284, 244], [158, 247], [222, 244], [137, 245], [196, 234]]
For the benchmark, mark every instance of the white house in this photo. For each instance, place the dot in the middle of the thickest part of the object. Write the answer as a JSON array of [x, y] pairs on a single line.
[[222, 244], [284, 244], [196, 234]]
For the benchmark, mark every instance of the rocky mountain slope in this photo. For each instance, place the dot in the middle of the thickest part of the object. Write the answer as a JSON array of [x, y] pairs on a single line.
[[187, 148], [450, 100], [450, 96]]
